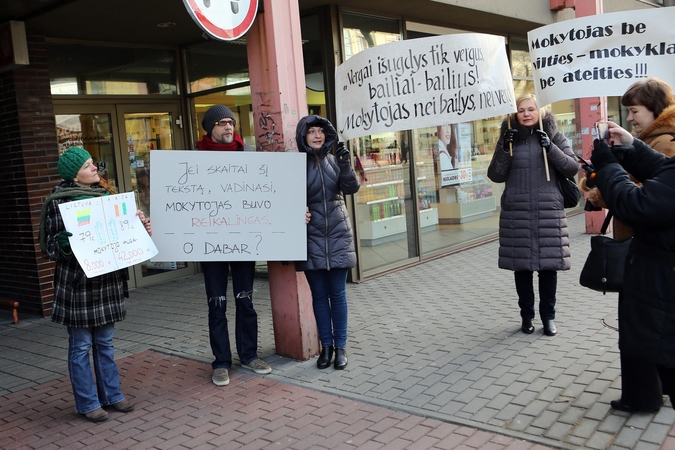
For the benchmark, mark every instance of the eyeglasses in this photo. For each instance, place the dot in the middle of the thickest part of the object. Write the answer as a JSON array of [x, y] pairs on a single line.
[[224, 122]]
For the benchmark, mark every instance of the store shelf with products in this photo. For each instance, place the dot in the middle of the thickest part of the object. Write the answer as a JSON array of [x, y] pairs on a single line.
[[466, 201], [380, 204]]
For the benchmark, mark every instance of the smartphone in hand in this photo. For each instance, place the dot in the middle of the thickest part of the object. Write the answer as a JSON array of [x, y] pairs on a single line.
[[602, 130]]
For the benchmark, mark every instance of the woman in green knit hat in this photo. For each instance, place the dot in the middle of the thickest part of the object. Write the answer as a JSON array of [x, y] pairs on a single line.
[[89, 307]]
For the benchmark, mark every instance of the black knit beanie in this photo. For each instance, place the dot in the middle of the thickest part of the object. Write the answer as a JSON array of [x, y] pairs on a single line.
[[214, 114]]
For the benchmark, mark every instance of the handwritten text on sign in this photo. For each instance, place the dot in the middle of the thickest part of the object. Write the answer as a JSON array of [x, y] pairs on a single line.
[[228, 206], [107, 233], [602, 55], [423, 82]]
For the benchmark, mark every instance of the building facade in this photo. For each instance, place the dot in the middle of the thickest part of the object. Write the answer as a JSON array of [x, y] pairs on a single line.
[[124, 78]]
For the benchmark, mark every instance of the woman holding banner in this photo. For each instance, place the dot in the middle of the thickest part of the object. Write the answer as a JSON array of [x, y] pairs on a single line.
[[89, 307], [651, 112], [533, 233], [330, 241]]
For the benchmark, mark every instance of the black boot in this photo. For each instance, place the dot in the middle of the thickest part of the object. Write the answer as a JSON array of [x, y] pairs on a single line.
[[325, 357], [527, 326], [549, 328], [340, 358]]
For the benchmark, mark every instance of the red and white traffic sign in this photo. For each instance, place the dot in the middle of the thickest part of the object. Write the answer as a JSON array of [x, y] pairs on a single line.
[[223, 19]]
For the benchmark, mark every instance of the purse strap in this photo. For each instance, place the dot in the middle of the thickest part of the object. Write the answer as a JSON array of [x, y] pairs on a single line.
[[605, 224]]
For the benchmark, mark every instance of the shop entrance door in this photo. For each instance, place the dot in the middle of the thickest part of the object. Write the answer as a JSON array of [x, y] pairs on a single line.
[[120, 138]]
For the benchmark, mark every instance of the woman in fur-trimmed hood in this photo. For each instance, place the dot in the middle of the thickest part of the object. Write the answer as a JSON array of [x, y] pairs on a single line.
[[533, 234], [651, 112]]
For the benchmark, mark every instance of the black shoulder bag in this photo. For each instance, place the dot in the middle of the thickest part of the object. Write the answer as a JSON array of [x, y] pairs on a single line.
[[604, 266], [570, 191]]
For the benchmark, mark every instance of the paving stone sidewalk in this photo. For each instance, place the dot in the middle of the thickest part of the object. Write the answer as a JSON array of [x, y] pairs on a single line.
[[439, 341]]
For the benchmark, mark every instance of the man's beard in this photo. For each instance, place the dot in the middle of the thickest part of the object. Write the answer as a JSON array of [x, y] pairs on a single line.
[[223, 139]]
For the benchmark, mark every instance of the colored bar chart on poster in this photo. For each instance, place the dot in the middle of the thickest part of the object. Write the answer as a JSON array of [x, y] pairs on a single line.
[[107, 233]]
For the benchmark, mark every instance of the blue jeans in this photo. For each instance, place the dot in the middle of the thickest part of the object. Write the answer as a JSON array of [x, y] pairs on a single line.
[[246, 319], [548, 283], [329, 299], [90, 394]]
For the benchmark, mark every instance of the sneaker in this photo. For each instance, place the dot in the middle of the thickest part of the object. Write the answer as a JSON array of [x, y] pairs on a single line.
[[124, 406], [258, 366], [220, 377], [97, 415]]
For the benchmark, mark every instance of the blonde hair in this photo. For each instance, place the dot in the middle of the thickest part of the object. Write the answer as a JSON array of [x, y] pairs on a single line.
[[521, 99]]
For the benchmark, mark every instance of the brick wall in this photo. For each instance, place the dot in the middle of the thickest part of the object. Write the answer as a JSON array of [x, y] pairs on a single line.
[[28, 156]]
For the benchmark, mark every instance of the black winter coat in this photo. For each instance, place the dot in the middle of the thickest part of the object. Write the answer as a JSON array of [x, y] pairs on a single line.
[[533, 232], [330, 241], [647, 307]]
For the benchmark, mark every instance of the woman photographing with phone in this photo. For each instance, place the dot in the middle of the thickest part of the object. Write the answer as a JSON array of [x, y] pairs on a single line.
[[651, 112]]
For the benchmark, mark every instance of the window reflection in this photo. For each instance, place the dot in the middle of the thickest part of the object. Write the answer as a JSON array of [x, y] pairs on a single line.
[[100, 70]]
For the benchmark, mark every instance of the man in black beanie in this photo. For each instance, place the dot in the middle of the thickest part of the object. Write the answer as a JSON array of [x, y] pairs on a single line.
[[219, 123]]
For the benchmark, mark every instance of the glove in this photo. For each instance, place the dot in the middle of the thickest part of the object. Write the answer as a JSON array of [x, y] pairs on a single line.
[[621, 151], [509, 137], [602, 155], [63, 242], [590, 175], [544, 140], [342, 153]]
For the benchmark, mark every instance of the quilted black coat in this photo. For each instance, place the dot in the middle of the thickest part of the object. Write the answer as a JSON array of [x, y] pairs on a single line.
[[647, 307], [533, 232], [330, 241]]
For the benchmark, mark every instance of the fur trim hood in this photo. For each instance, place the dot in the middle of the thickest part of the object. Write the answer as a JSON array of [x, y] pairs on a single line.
[[664, 124], [315, 121]]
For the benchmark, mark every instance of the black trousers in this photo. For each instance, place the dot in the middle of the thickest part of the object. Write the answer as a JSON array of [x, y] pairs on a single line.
[[641, 383], [548, 283]]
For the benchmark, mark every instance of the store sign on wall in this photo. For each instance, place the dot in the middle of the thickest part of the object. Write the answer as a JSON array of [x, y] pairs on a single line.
[[225, 20]]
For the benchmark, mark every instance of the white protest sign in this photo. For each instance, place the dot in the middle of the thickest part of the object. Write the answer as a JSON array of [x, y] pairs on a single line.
[[228, 206], [107, 233], [423, 82], [602, 55]]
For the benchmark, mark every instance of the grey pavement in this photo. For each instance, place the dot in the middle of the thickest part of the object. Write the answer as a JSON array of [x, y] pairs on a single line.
[[440, 340]]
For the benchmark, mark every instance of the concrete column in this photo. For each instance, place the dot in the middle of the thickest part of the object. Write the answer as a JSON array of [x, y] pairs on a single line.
[[279, 100], [588, 111]]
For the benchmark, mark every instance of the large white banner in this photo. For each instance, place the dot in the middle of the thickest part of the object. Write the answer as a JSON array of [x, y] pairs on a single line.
[[228, 206], [107, 233], [423, 82], [602, 55]]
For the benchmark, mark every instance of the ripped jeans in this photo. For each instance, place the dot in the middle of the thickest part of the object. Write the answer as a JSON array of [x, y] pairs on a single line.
[[246, 319]]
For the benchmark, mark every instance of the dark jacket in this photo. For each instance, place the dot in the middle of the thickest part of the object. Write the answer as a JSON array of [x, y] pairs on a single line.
[[647, 307], [330, 241], [533, 231], [659, 135], [81, 302]]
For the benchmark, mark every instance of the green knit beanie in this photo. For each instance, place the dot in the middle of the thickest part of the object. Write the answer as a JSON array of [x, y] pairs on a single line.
[[71, 161]]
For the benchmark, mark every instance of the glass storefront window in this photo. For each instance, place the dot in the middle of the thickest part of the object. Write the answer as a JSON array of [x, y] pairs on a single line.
[[93, 132], [77, 69], [385, 207], [216, 64], [312, 55]]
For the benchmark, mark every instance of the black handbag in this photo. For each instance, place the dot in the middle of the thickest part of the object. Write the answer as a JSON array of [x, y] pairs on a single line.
[[570, 191], [605, 264]]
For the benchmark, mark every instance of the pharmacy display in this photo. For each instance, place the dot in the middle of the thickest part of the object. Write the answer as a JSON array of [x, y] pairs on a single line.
[[107, 233]]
